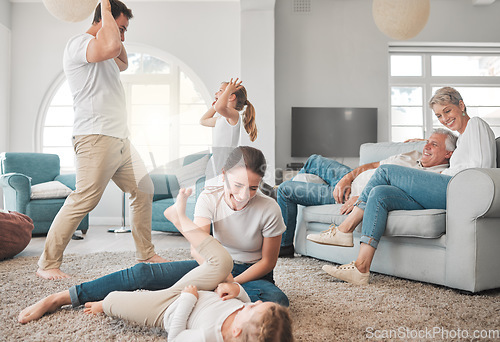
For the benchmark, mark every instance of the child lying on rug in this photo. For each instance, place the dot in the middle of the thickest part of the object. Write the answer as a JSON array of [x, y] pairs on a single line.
[[189, 315]]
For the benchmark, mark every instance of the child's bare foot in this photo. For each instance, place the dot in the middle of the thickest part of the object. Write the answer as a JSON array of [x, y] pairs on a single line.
[[154, 259], [51, 274], [93, 308], [179, 207], [48, 304]]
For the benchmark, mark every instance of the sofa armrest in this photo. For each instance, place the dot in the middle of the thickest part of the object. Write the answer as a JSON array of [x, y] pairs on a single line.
[[17, 191], [67, 179], [473, 229]]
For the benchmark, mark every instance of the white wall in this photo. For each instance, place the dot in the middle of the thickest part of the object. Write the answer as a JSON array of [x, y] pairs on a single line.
[[4, 78], [336, 57], [257, 72], [4, 86], [205, 36], [5, 13]]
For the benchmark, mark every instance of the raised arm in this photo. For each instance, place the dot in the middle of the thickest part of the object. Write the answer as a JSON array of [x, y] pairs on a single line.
[[342, 190], [270, 251], [222, 105], [208, 119], [107, 43], [122, 59]]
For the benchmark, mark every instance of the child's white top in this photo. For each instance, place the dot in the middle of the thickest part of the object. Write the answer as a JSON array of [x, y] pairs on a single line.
[[476, 147], [191, 319], [241, 232], [224, 134]]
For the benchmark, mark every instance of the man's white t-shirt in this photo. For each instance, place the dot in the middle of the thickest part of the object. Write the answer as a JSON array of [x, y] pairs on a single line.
[[98, 96], [241, 232], [409, 159]]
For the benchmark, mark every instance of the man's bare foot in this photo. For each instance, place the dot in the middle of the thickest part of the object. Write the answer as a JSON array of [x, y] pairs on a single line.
[[52, 274], [48, 304], [179, 207], [93, 308], [155, 259]]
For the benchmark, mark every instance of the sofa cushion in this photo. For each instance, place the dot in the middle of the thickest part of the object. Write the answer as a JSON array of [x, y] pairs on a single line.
[[374, 152], [15, 233], [428, 223]]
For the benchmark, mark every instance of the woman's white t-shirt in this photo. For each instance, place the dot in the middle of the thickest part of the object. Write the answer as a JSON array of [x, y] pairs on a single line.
[[241, 232], [476, 147]]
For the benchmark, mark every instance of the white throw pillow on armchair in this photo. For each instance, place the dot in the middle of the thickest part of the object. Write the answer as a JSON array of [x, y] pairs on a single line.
[[53, 189]]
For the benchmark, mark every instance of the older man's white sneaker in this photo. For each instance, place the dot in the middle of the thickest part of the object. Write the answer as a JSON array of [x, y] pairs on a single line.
[[332, 236], [348, 273]]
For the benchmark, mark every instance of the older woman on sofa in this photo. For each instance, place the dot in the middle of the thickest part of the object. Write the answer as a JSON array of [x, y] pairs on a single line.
[[395, 187]]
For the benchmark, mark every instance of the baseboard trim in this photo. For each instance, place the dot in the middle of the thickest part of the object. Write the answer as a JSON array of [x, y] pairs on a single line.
[[105, 221]]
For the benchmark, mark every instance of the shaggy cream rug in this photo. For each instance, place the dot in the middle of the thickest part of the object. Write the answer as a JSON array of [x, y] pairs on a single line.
[[323, 309]]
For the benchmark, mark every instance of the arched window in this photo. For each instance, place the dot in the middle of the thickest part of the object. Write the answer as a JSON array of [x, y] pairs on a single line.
[[165, 101]]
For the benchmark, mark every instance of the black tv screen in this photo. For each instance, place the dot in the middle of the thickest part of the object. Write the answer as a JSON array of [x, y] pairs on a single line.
[[332, 132]]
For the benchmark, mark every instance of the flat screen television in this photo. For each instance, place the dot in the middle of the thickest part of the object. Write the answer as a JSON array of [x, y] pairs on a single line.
[[332, 132]]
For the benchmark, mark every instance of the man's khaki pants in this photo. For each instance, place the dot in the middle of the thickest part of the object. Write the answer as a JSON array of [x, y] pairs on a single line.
[[100, 158]]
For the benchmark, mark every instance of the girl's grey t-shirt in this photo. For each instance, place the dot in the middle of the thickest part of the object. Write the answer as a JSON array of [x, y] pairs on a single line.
[[241, 232]]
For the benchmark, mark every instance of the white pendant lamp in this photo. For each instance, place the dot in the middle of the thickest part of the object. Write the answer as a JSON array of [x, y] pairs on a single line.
[[71, 10], [401, 19]]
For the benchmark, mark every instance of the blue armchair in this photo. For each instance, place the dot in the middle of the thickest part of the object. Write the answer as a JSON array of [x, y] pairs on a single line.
[[166, 189], [19, 171]]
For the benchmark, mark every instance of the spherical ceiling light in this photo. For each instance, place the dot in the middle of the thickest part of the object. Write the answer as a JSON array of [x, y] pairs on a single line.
[[401, 19], [71, 10]]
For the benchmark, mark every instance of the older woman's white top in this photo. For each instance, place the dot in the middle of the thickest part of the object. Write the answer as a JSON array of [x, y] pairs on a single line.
[[476, 147]]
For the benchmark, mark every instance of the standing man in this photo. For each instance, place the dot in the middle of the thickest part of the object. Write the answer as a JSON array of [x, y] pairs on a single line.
[[92, 63]]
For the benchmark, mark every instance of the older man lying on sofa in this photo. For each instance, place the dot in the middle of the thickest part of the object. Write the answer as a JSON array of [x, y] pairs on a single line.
[[345, 184]]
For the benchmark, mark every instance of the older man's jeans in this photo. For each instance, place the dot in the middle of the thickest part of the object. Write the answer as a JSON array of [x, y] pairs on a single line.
[[394, 187], [292, 193], [160, 276]]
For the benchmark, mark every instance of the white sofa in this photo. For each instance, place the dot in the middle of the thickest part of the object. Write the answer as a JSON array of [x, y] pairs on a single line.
[[458, 247]]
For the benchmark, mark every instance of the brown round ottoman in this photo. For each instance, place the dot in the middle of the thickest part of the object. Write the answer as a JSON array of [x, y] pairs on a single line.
[[15, 233]]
